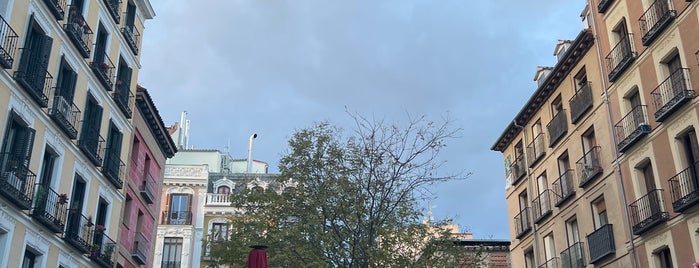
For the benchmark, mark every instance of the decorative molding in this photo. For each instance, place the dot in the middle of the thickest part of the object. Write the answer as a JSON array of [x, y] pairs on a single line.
[[7, 222], [195, 172]]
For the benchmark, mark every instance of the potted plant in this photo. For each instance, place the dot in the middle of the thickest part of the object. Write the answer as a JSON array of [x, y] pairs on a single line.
[[63, 198], [95, 250], [99, 229]]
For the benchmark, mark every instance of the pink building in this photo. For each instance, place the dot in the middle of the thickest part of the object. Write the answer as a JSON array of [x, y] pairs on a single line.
[[151, 146]]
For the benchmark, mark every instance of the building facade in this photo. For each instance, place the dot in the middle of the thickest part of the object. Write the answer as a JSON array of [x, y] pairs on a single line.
[[611, 181], [66, 98]]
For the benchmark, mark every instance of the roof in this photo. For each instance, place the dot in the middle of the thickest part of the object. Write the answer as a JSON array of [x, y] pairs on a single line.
[[582, 43], [155, 123]]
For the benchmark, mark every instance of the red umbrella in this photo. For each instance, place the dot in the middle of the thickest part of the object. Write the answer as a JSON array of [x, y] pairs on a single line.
[[257, 258]]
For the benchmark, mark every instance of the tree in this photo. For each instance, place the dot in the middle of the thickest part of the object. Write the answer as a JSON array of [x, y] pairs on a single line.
[[355, 201]]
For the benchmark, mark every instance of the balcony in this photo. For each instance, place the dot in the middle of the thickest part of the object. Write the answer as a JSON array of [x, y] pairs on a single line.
[[601, 243], [589, 166], [631, 128], [603, 5], [50, 208], [580, 103], [8, 44], [124, 98], [655, 19], [92, 144], [114, 169], [177, 218], [522, 224], [148, 188], [541, 206], [141, 248], [551, 263], [114, 7], [33, 77], [16, 181], [535, 150], [222, 200], [102, 251], [79, 231], [66, 115], [170, 264], [518, 168], [132, 36], [573, 256], [79, 32], [647, 212], [557, 127], [564, 187], [104, 70], [671, 94], [57, 8], [620, 57], [684, 188]]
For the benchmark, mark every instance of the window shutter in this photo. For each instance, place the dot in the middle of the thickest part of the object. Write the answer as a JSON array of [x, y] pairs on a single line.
[[23, 147], [5, 140], [69, 83]]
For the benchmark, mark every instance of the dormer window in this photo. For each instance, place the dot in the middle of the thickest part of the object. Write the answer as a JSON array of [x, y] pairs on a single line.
[[541, 74], [561, 48]]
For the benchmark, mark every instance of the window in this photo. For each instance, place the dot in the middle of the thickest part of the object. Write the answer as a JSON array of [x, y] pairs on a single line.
[[62, 106], [633, 99], [123, 79], [47, 166], [223, 190], [130, 14], [549, 247], [663, 258], [31, 73], [172, 251], [620, 32], [646, 172], [128, 206], [180, 209], [523, 200], [599, 213], [89, 140], [101, 221], [529, 258], [689, 148], [556, 106], [572, 231], [542, 183], [17, 144], [580, 79], [536, 129], [563, 163], [112, 158], [589, 140], [219, 231], [101, 44], [30, 259], [134, 150]]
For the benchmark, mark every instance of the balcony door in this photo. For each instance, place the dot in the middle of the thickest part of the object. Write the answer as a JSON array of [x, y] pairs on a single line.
[[690, 149], [674, 67], [180, 207], [172, 252]]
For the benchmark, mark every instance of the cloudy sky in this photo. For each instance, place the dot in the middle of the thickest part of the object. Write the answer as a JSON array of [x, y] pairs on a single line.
[[271, 66]]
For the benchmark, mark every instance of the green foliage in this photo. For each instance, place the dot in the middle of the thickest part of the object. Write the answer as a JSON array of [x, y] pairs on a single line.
[[355, 201]]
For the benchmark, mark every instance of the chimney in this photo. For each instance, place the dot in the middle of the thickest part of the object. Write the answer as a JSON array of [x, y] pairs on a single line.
[[249, 166]]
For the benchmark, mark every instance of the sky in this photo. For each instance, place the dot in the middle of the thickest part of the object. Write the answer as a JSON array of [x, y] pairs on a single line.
[[270, 67]]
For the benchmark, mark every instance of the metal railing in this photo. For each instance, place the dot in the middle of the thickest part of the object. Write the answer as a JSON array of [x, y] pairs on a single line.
[[33, 76], [148, 187], [9, 41], [176, 217], [541, 205], [620, 57], [113, 168], [50, 208], [589, 166], [647, 212], [564, 187], [603, 5], [631, 128], [536, 149], [103, 249], [133, 37], [519, 168], [573, 256], [218, 199], [57, 8], [66, 114], [601, 243], [114, 7], [141, 248], [655, 19], [16, 180], [79, 231], [581, 102], [79, 32], [684, 188], [670, 94], [124, 98], [103, 67], [557, 127], [551, 263], [522, 223], [170, 264], [92, 144]]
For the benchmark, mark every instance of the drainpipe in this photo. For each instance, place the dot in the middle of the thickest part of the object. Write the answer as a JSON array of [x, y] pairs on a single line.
[[617, 165], [529, 194]]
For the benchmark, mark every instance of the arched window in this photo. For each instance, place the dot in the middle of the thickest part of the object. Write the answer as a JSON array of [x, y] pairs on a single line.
[[223, 190]]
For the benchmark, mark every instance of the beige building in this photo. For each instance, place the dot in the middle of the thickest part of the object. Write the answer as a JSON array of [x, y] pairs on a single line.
[[67, 86], [611, 181]]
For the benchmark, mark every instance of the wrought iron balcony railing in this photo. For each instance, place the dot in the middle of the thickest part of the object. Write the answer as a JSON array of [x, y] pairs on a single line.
[[601, 243], [92, 144], [78, 31], [50, 208], [114, 169], [103, 69], [671, 94], [16, 180], [564, 187], [8, 44], [170, 264], [655, 19], [66, 115], [519, 169], [603, 5], [647, 212], [684, 188], [620, 57], [33, 76], [124, 98], [218, 200], [581, 102], [79, 231], [114, 7], [176, 217], [133, 37], [57, 8], [141, 248], [631, 128], [522, 223], [536, 149], [573, 256], [589, 166], [103, 249], [551, 263], [557, 127], [541, 206], [148, 188]]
